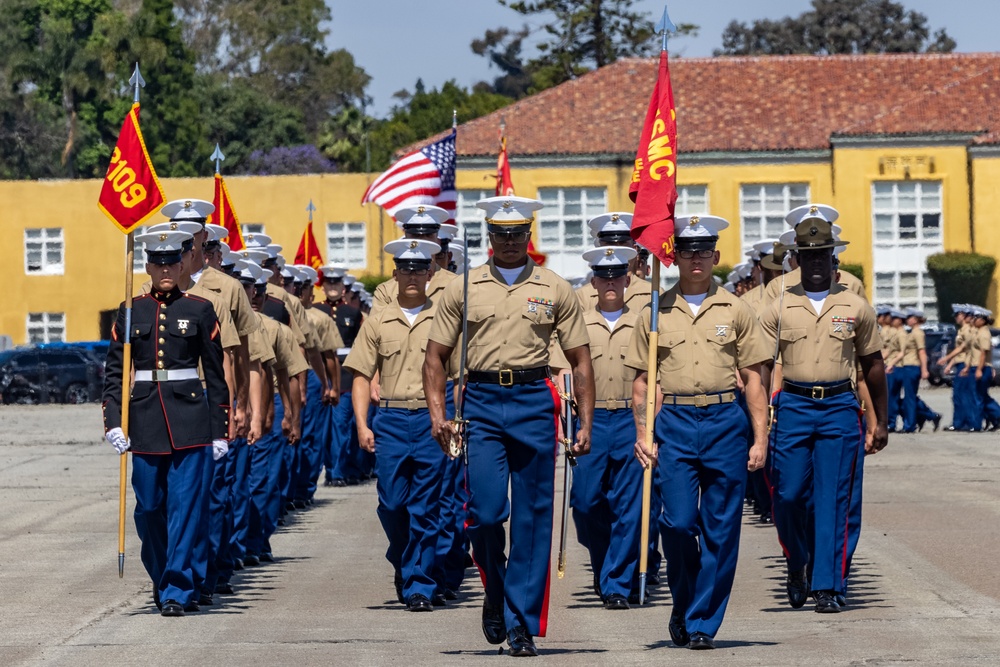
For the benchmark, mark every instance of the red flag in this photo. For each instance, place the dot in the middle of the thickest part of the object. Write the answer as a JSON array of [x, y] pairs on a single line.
[[505, 186], [225, 215], [654, 179], [308, 252], [130, 193]]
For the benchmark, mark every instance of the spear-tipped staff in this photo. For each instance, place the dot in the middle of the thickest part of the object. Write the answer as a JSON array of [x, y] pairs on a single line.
[[137, 82], [664, 27], [218, 157]]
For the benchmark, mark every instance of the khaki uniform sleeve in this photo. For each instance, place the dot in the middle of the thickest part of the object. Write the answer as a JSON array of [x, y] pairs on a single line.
[[298, 334], [751, 341], [363, 358], [768, 319], [447, 326], [919, 339], [557, 359], [230, 336], [288, 353], [382, 296], [258, 348], [242, 312], [570, 326], [866, 338], [637, 356]]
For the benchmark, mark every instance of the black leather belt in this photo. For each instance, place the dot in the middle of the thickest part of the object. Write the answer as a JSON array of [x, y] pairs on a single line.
[[508, 377], [818, 392]]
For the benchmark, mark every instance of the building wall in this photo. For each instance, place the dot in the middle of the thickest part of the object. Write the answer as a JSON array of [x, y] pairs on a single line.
[[93, 279]]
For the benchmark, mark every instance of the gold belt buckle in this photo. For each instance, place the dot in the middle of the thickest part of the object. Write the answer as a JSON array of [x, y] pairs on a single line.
[[509, 382], [818, 393], [701, 401], [159, 376]]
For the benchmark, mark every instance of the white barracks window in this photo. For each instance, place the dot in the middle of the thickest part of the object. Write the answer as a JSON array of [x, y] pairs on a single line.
[[563, 233], [691, 199], [46, 328], [346, 244], [763, 208], [43, 251]]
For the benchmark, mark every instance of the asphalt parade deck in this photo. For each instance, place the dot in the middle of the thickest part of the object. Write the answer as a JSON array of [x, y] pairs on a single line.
[[926, 588]]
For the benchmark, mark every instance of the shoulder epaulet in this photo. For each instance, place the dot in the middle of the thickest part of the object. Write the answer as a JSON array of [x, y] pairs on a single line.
[[193, 297]]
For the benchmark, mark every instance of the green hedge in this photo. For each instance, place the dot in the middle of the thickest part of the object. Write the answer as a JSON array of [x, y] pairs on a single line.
[[722, 271], [371, 281], [855, 270], [960, 277]]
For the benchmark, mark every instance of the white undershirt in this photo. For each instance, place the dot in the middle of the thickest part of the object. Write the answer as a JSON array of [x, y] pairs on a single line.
[[411, 313], [817, 299], [694, 301], [195, 277], [510, 275], [611, 317]]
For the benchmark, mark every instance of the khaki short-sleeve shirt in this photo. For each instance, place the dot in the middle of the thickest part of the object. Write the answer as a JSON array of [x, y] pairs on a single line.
[[754, 298], [510, 326], [287, 354], [260, 347], [296, 316], [982, 341], [794, 277], [325, 330], [699, 354], [637, 295], [914, 342], [963, 339], [389, 344], [387, 293], [233, 295], [608, 349], [887, 333], [823, 347]]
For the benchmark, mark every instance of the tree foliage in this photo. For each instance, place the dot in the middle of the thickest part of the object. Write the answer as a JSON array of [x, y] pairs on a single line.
[[838, 26], [577, 36]]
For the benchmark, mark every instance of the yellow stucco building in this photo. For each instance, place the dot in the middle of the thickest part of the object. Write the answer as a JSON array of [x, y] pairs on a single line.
[[911, 162]]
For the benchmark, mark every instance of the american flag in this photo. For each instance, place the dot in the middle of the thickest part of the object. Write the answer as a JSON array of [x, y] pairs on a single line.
[[426, 176]]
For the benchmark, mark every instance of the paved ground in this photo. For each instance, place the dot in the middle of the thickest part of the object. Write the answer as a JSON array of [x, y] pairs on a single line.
[[926, 590]]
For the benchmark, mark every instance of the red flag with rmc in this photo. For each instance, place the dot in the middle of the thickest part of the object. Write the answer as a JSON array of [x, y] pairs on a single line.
[[308, 252], [225, 215], [131, 193], [654, 179]]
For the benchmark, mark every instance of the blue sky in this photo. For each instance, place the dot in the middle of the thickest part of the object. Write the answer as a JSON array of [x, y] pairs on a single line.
[[398, 41]]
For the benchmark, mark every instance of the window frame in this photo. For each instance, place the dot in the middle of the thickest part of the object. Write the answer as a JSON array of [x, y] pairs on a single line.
[[342, 256], [45, 268], [46, 323], [758, 219]]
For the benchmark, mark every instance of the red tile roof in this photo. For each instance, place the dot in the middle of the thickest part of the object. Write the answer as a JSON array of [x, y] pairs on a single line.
[[767, 103]]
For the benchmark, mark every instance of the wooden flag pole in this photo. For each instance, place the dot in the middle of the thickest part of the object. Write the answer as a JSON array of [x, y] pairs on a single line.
[[651, 389], [126, 396]]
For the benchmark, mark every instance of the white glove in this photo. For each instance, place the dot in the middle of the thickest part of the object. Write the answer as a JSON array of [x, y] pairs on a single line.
[[219, 449], [116, 437]]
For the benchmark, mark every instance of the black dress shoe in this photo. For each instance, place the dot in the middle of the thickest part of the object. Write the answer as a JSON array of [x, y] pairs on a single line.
[[597, 588], [633, 598], [469, 562], [825, 604], [616, 601], [701, 642], [951, 429], [224, 589], [289, 505], [191, 607], [205, 600], [281, 521], [237, 564], [418, 602], [329, 482], [678, 629], [840, 599], [250, 559], [521, 643], [766, 518], [494, 626], [397, 581], [652, 579], [339, 483], [437, 599], [266, 557], [920, 424], [797, 588], [937, 422], [300, 504], [450, 594], [172, 608]]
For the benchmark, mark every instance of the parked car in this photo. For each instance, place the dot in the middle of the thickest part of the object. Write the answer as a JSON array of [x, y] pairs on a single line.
[[939, 339], [57, 374]]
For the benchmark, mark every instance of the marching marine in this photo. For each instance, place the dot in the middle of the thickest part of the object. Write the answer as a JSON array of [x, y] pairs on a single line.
[[512, 406], [708, 336]]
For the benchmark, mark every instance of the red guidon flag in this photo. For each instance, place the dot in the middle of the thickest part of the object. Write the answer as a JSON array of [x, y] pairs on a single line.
[[130, 193], [225, 215], [308, 252], [654, 179], [505, 186]]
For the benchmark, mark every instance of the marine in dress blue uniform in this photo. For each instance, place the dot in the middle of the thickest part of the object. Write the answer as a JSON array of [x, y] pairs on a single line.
[[707, 337], [824, 332], [177, 426], [512, 407], [409, 463]]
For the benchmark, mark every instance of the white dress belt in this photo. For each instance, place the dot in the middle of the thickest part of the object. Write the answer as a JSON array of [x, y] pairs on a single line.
[[167, 376]]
